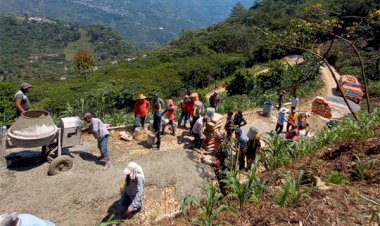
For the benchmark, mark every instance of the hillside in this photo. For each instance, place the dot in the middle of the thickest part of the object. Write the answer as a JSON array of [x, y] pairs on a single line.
[[43, 49], [147, 23]]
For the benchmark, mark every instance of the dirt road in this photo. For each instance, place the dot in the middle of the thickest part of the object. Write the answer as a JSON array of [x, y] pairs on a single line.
[[86, 194]]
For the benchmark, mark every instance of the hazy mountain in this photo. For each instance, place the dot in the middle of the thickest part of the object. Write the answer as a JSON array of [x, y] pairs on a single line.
[[146, 23]]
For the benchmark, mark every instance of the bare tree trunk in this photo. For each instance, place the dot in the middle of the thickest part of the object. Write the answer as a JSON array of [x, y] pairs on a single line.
[[364, 78], [328, 50]]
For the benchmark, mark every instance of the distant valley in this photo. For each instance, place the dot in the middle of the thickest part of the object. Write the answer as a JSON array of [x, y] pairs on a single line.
[[146, 23]]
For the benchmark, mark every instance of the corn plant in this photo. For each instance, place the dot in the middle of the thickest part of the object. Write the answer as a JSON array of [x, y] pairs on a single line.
[[208, 209], [278, 151], [111, 221], [119, 118], [335, 177], [249, 191], [290, 192], [361, 170]]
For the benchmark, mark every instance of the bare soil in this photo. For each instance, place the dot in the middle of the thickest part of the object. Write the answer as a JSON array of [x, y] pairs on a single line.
[[86, 194], [334, 205]]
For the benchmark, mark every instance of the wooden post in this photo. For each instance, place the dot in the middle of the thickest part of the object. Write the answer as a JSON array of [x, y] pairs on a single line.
[[3, 139]]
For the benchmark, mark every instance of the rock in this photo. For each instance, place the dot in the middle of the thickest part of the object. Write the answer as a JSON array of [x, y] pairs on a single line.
[[210, 160], [320, 184], [124, 136]]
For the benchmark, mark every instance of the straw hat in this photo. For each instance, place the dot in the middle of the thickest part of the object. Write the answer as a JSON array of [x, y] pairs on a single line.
[[194, 95], [141, 97]]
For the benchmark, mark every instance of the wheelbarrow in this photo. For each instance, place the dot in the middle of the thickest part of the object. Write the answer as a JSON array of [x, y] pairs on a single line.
[[37, 129]]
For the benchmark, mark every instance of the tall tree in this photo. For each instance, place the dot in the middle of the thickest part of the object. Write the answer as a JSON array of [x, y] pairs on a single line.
[[84, 63]]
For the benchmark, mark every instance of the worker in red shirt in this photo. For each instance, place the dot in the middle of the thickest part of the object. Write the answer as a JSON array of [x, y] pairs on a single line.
[[141, 109], [170, 111], [184, 105]]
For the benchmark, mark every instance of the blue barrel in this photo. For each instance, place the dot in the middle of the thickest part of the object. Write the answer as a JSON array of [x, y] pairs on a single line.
[[267, 109]]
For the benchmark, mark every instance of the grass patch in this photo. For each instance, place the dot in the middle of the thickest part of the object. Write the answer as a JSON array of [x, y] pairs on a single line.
[[335, 177], [82, 43]]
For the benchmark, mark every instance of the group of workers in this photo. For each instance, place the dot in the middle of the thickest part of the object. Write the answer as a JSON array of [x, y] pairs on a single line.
[[163, 114], [294, 122]]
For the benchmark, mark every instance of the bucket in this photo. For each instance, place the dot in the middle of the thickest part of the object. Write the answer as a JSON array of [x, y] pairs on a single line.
[[210, 112], [151, 138], [139, 134], [252, 132], [267, 109]]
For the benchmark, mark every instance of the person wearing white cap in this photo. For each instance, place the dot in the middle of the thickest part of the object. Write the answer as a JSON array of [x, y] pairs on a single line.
[[21, 100], [280, 120], [131, 196], [15, 219]]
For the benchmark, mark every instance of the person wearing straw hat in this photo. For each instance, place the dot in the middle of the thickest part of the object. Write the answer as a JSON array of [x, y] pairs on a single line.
[[15, 219], [21, 99], [141, 109], [132, 191]]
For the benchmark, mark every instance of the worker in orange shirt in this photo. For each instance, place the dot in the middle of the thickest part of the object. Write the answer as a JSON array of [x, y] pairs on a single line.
[[141, 109], [292, 118], [170, 111]]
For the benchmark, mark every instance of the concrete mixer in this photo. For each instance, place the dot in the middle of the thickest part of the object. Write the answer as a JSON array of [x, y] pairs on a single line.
[[37, 129]]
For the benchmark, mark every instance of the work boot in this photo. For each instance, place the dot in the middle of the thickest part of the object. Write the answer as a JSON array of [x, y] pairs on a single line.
[[105, 159], [100, 158]]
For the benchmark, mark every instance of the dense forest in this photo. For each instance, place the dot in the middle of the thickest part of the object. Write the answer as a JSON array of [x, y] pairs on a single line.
[[230, 52], [42, 48]]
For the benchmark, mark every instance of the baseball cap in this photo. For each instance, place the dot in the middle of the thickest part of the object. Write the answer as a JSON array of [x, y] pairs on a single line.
[[25, 86]]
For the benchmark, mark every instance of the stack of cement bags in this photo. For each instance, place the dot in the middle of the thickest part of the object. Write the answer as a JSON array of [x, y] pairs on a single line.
[[214, 132]]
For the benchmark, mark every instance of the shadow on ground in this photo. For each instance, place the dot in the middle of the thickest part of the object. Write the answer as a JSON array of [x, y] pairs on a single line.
[[88, 157], [114, 212], [24, 160]]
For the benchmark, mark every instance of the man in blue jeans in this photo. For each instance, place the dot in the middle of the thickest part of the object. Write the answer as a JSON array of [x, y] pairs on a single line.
[[100, 132]]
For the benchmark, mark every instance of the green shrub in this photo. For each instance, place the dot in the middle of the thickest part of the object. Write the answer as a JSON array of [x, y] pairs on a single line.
[[335, 177]]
